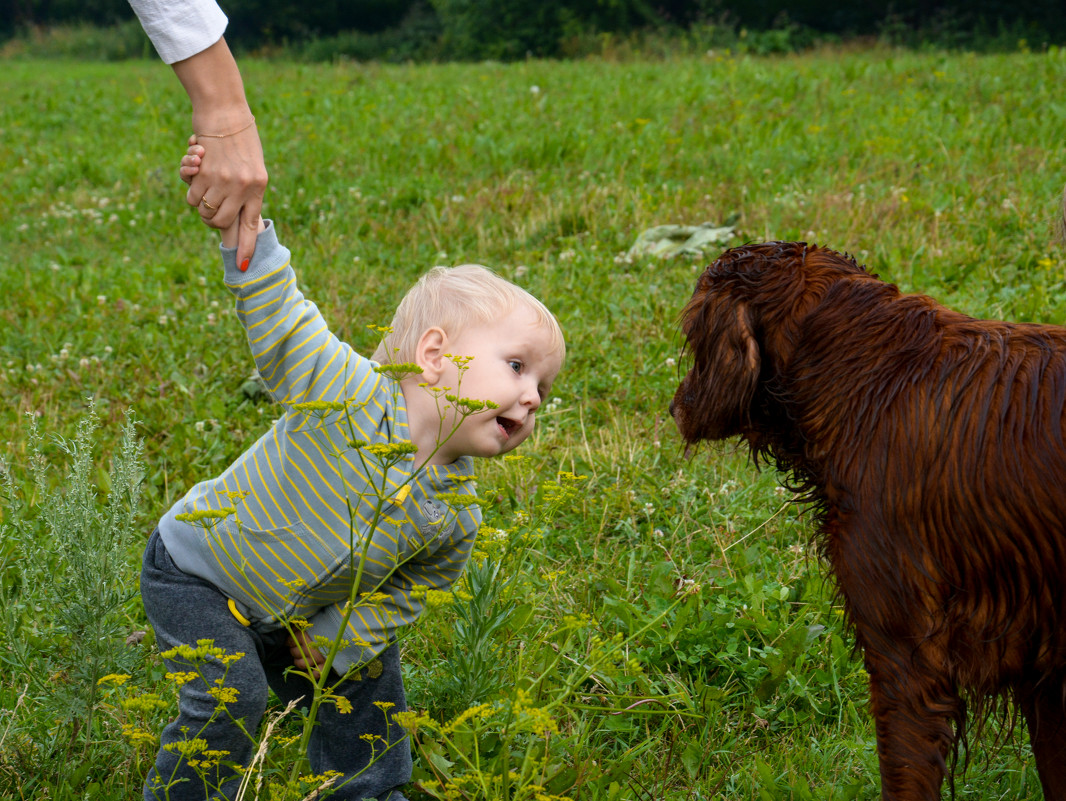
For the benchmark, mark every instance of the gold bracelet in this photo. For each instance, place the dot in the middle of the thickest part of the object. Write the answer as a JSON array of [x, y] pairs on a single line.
[[231, 133]]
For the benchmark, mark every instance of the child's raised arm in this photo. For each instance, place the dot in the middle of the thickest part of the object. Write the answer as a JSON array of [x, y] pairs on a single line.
[[190, 166]]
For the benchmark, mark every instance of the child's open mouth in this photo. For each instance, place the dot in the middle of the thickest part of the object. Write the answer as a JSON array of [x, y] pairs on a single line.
[[508, 426]]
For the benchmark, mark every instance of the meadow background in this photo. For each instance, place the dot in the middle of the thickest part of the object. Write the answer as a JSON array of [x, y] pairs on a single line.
[[666, 612]]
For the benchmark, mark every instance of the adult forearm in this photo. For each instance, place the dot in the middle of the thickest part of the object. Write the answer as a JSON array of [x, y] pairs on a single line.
[[214, 86]]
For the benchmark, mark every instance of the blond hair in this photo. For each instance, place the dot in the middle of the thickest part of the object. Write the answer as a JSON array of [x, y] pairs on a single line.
[[453, 298]]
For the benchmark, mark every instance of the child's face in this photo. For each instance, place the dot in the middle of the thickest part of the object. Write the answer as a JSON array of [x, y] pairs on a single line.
[[511, 364]]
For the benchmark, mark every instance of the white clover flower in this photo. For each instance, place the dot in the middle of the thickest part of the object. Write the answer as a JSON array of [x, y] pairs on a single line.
[[670, 361], [534, 90]]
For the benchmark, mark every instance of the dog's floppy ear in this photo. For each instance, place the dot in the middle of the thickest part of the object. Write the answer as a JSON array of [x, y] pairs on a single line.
[[714, 399]]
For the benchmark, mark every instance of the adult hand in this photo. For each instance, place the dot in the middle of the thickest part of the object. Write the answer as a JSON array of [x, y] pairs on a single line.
[[229, 186], [190, 168]]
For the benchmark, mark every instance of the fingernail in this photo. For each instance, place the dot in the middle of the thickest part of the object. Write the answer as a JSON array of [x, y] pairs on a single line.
[[244, 266]]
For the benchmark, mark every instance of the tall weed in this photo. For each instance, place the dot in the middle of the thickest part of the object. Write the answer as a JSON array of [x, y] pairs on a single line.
[[65, 608]]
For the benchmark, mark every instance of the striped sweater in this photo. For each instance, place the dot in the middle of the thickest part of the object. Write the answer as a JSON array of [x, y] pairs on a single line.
[[320, 488]]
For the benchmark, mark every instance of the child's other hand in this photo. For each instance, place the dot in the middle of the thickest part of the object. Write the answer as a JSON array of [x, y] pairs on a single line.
[[304, 655]]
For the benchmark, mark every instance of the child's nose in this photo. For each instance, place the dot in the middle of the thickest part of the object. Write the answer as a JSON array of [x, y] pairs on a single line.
[[531, 397]]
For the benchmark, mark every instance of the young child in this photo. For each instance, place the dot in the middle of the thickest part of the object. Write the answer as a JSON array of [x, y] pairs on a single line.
[[284, 531]]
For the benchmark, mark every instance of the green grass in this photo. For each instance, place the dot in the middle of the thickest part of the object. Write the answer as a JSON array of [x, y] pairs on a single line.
[[940, 172]]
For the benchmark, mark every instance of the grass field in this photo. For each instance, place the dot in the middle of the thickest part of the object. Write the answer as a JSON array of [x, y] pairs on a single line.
[[701, 655]]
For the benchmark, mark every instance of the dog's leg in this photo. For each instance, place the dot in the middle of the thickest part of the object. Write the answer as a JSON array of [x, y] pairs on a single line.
[[915, 712], [1044, 707]]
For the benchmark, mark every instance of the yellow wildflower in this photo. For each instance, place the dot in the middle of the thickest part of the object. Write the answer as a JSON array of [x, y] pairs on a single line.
[[224, 695], [137, 736], [115, 679], [205, 514], [187, 748], [145, 702], [317, 406]]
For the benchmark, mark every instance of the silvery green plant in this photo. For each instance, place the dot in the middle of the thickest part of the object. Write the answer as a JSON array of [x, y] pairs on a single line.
[[65, 551]]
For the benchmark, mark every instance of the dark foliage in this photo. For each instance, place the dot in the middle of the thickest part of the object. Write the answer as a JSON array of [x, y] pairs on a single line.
[[510, 29]]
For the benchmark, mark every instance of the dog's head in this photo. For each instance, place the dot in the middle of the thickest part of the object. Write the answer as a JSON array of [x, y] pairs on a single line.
[[741, 327]]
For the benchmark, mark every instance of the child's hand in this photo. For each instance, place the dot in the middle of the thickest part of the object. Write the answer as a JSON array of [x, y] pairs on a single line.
[[304, 655], [190, 167], [190, 162]]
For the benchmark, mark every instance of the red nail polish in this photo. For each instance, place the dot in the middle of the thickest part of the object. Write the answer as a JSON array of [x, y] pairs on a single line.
[[244, 266]]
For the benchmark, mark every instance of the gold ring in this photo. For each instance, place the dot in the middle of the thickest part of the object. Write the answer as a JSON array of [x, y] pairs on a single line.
[[206, 205]]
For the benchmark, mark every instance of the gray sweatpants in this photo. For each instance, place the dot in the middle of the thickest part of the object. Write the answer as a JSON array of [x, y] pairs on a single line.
[[183, 609]]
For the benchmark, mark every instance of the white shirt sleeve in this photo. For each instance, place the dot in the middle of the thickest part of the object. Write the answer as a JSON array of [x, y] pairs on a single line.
[[180, 28]]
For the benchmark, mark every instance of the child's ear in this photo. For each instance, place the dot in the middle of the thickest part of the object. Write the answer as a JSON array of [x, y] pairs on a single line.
[[430, 354]]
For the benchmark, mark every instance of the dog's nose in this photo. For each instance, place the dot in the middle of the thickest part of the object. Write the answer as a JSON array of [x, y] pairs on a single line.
[[671, 408]]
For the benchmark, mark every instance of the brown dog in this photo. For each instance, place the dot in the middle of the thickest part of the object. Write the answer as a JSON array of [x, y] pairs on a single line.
[[932, 446]]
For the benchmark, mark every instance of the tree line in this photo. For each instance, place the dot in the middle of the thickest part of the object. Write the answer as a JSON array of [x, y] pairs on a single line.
[[508, 29]]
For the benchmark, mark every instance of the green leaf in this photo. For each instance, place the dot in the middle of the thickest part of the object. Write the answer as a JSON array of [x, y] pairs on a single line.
[[692, 758]]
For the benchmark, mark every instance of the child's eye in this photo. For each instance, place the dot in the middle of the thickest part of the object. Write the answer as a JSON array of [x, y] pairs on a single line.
[[515, 365]]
